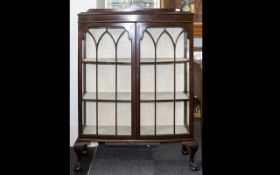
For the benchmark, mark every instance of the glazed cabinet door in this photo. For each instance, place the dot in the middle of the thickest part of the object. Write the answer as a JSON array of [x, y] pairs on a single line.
[[105, 71], [165, 85]]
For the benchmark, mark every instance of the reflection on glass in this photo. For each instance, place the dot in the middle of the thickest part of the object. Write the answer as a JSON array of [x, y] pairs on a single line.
[[128, 3]]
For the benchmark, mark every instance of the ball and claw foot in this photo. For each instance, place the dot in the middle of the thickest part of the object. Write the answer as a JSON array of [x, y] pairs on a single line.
[[185, 151], [194, 166], [81, 150], [84, 150], [78, 167], [192, 147]]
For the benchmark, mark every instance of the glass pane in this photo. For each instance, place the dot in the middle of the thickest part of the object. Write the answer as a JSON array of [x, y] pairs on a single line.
[[147, 118], [90, 115], [165, 118], [106, 118], [124, 119], [181, 119], [165, 78]]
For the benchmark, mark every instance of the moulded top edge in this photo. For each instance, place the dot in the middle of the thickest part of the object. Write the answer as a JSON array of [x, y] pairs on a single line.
[[133, 11]]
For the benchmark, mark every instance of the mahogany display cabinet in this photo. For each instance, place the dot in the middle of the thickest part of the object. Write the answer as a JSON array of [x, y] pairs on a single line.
[[135, 78]]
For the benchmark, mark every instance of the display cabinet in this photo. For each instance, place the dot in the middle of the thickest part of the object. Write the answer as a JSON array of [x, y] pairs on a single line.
[[135, 78]]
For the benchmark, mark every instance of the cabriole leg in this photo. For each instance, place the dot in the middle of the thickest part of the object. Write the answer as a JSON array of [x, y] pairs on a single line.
[[192, 146], [80, 149]]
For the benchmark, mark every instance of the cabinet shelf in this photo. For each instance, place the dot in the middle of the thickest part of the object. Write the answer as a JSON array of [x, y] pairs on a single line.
[[107, 61], [127, 61], [144, 96], [162, 60], [108, 96], [163, 96], [163, 129], [109, 130]]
